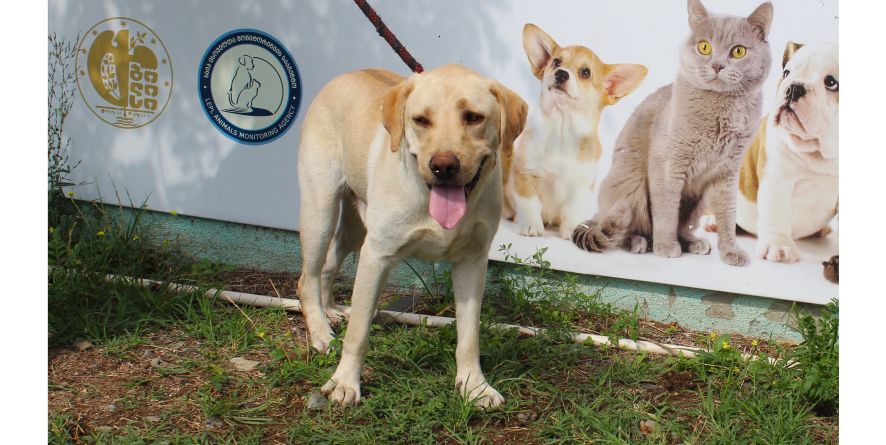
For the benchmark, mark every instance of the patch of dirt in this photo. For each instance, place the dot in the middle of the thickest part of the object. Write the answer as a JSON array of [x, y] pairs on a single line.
[[99, 389], [678, 380]]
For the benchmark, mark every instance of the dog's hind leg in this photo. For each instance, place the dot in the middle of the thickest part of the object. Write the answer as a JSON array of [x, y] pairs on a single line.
[[348, 238], [320, 205]]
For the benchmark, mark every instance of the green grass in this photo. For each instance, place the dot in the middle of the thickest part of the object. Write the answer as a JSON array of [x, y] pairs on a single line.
[[556, 391]]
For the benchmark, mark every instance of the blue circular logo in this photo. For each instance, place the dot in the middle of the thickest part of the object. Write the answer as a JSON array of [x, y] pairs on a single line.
[[249, 86]]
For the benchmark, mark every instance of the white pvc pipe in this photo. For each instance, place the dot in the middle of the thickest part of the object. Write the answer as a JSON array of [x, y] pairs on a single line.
[[434, 321]]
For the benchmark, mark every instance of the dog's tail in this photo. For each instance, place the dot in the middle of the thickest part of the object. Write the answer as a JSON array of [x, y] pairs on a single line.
[[607, 232]]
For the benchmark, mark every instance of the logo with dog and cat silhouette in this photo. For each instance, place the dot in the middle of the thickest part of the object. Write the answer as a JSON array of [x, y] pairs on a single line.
[[124, 72], [249, 86]]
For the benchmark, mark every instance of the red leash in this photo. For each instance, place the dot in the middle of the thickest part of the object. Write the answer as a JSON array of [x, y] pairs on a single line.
[[386, 33]]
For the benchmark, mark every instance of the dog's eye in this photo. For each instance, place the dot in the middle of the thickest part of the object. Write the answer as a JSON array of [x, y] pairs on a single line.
[[556, 63], [830, 82], [422, 121], [472, 118], [585, 73], [785, 73]]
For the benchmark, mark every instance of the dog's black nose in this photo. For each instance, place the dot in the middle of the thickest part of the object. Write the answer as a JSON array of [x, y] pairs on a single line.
[[795, 91], [561, 76], [444, 165]]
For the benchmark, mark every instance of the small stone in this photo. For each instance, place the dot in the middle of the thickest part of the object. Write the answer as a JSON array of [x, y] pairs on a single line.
[[214, 423], [81, 345], [316, 401], [157, 363], [110, 408], [647, 426], [652, 387], [104, 429], [243, 364], [527, 417], [147, 353], [153, 418]]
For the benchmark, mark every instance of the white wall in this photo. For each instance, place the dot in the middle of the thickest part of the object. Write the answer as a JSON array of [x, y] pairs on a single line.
[[185, 164]]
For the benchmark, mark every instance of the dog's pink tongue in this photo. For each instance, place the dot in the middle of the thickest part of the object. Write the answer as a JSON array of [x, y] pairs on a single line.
[[448, 204]]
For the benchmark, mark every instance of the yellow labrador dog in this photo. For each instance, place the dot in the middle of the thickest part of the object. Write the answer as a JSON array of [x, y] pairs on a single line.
[[397, 167]]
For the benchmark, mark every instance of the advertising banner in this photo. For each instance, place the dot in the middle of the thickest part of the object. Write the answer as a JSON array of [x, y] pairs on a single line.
[[653, 128]]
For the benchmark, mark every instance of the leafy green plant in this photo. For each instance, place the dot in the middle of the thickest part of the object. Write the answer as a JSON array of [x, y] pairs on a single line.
[[815, 363]]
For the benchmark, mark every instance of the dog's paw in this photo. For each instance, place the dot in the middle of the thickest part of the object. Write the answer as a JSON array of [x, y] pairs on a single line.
[[780, 250], [733, 255], [566, 231], [667, 249], [342, 392], [530, 226], [483, 395], [639, 244], [335, 315], [699, 246], [487, 399], [321, 337]]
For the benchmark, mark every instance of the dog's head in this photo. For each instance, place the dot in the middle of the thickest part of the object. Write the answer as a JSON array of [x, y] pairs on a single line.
[[808, 98], [453, 122], [573, 78]]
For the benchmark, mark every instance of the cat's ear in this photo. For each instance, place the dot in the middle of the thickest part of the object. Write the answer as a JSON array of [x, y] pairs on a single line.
[[697, 12], [789, 50], [761, 18], [621, 79], [539, 47]]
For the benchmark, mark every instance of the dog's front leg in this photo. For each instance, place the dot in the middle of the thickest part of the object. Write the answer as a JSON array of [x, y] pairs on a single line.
[[572, 212], [469, 280], [528, 205], [774, 225], [343, 388]]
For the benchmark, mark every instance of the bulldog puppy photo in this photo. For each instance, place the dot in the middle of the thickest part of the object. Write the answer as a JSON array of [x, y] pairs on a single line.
[[789, 175]]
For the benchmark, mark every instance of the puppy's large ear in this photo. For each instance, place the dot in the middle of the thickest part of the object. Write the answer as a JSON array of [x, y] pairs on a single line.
[[512, 109], [789, 50], [393, 108], [621, 79], [539, 47], [761, 18], [697, 12]]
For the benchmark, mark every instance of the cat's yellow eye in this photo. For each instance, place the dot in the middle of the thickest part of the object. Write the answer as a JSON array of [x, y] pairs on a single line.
[[704, 48], [738, 52]]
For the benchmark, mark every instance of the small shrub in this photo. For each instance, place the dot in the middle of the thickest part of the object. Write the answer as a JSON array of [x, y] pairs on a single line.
[[816, 369]]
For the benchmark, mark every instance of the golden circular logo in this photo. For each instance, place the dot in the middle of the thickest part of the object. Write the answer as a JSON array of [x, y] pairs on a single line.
[[124, 72]]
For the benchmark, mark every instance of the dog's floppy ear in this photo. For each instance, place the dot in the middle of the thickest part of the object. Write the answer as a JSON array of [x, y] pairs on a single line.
[[789, 50], [539, 47], [512, 109], [393, 108], [621, 79]]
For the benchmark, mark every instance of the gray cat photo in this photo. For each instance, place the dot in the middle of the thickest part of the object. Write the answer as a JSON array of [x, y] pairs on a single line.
[[681, 150]]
